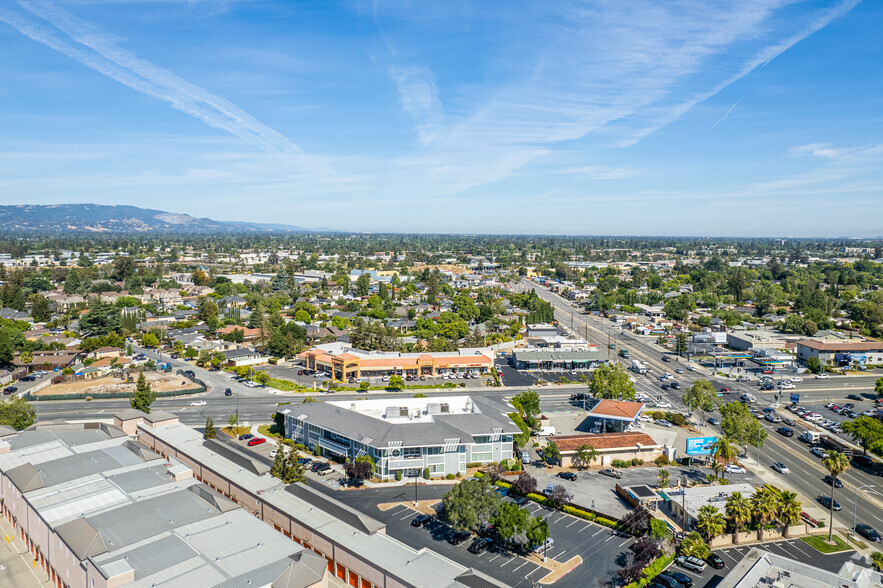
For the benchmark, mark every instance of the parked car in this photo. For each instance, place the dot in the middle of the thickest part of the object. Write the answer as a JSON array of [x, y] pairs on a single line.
[[324, 469], [781, 468], [10, 390], [304, 461], [826, 502], [458, 537], [611, 472], [480, 545], [256, 441], [545, 545], [28, 379], [868, 532], [420, 520], [715, 561], [681, 578], [694, 564], [567, 476], [734, 469], [663, 423], [245, 436]]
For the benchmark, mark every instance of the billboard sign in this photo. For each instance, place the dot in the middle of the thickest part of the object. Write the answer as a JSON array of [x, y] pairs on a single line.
[[700, 445]]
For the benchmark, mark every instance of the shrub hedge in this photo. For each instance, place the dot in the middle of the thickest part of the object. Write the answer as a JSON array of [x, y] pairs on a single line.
[[651, 571]]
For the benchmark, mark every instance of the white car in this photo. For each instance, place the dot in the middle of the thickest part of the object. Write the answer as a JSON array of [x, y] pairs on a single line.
[[781, 468], [663, 423], [274, 453], [822, 376], [734, 469], [870, 413], [818, 451], [198, 403], [691, 368], [786, 386], [645, 419], [796, 379], [251, 385], [663, 404]]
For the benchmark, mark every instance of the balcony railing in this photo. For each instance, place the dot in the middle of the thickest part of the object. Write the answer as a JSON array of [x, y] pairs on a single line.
[[334, 445]]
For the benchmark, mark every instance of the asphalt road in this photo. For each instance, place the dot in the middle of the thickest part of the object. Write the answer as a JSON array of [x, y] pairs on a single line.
[[806, 469]]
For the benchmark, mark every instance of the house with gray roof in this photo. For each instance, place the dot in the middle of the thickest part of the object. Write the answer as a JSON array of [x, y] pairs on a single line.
[[407, 435]]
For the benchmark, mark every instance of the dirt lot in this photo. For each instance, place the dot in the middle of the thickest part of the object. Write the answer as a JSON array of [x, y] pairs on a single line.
[[159, 382]]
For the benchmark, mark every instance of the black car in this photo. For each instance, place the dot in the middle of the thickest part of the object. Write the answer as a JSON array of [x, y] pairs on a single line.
[[29, 379], [837, 483], [666, 386], [459, 537], [868, 532], [863, 461], [246, 436], [715, 561], [854, 397], [789, 422], [228, 392], [567, 476], [10, 390], [578, 397], [479, 545], [666, 580], [174, 356], [785, 431], [675, 386], [680, 578], [826, 502], [666, 358], [420, 520]]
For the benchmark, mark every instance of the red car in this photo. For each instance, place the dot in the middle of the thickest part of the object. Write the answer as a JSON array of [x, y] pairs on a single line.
[[256, 441]]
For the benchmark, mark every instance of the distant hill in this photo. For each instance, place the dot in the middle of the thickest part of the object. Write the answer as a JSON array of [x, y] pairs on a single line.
[[99, 218]]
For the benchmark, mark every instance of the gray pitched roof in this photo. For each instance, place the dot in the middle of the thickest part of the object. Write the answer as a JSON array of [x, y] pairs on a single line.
[[444, 426], [25, 477], [237, 456], [306, 569], [158, 416], [129, 414], [82, 538], [336, 509]]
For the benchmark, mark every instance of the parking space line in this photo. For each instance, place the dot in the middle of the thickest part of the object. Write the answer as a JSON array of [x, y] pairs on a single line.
[[521, 566], [624, 542], [795, 546], [533, 571], [508, 561], [575, 521], [495, 557]]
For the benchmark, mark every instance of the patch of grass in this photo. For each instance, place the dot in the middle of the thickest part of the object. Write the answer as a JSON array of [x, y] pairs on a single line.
[[270, 431], [820, 543], [856, 541], [283, 385]]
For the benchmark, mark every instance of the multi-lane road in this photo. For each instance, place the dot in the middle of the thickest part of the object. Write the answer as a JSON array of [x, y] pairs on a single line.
[[806, 470]]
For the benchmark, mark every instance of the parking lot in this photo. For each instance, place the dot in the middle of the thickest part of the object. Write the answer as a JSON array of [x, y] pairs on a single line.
[[599, 549], [794, 549]]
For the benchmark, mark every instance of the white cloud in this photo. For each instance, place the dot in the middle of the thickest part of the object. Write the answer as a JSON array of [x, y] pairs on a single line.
[[418, 95]]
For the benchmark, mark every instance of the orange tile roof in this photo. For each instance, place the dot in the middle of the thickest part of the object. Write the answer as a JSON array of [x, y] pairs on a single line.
[[603, 441], [617, 409]]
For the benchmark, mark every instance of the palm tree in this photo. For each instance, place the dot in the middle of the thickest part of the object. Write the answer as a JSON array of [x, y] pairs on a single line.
[[789, 509], [711, 522], [718, 468], [836, 463], [738, 512], [764, 506], [723, 450]]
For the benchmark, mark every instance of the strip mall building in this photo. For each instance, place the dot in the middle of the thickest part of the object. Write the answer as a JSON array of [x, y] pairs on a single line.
[[342, 362]]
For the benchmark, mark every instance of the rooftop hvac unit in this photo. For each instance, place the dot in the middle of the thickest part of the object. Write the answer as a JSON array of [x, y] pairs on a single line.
[[433, 408], [445, 407], [403, 411]]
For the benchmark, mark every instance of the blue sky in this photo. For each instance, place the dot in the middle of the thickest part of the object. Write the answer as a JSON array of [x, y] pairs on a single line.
[[631, 117]]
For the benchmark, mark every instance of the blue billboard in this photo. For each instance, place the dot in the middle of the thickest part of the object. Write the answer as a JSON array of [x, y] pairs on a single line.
[[700, 445]]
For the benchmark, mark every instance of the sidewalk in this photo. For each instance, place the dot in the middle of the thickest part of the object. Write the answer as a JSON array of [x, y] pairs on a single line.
[[17, 563]]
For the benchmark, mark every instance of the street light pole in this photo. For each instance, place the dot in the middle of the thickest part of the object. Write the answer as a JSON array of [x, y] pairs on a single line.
[[854, 501]]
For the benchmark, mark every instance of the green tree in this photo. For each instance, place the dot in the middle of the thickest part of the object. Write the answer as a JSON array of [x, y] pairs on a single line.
[[866, 431], [814, 365], [527, 403], [741, 426], [877, 558], [585, 455], [512, 522], [764, 508], [210, 432], [364, 385], [16, 412], [294, 471], [191, 352], [279, 461], [551, 453], [144, 394], [363, 284], [72, 282], [878, 387], [178, 347], [663, 477], [789, 509], [470, 503], [701, 397], [694, 546], [738, 511], [612, 381], [26, 357], [205, 356], [262, 378], [149, 340], [836, 463], [538, 531], [232, 420], [40, 311], [681, 342], [396, 382], [723, 451], [101, 319], [710, 522]]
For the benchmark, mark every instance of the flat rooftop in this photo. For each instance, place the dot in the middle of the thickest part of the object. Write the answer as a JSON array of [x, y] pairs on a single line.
[[410, 410]]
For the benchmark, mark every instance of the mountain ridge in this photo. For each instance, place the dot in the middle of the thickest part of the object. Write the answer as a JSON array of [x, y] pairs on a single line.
[[122, 218]]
